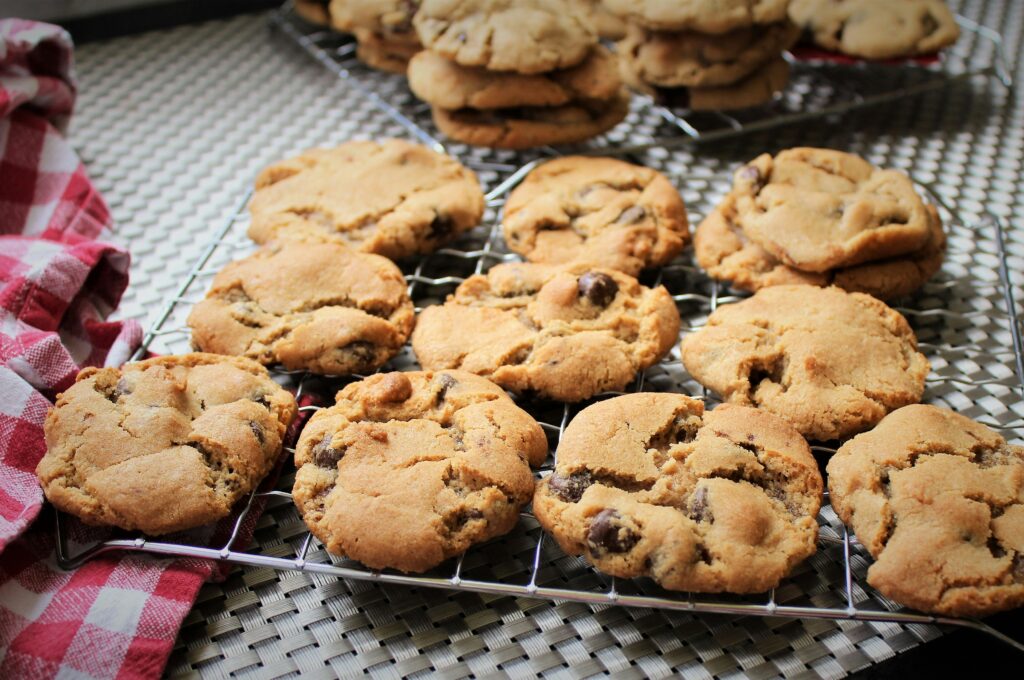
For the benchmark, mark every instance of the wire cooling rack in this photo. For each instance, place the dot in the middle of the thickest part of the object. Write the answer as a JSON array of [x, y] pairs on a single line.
[[818, 88], [965, 318]]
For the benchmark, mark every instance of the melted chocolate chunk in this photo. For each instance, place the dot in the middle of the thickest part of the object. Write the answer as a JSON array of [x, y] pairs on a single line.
[[599, 288], [441, 227], [570, 489], [608, 535], [447, 382], [325, 455], [699, 510], [257, 431], [1018, 567]]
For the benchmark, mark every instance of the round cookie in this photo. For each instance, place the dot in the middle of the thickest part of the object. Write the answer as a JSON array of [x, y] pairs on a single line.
[[599, 210], [409, 469], [877, 29], [313, 11], [526, 36], [566, 333], [526, 127], [938, 501], [383, 53], [392, 198], [720, 16], [818, 209], [727, 254], [832, 363], [758, 88], [319, 307], [391, 19], [443, 83], [678, 59], [165, 444], [649, 485]]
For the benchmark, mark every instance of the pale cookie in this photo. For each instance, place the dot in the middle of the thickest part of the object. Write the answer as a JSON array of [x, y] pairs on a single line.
[[392, 198], [165, 444], [409, 469], [650, 485], [938, 501], [566, 333], [391, 19], [818, 209], [877, 29], [599, 210], [442, 83], [756, 89], [319, 307], [526, 36], [721, 248], [720, 16], [831, 363]]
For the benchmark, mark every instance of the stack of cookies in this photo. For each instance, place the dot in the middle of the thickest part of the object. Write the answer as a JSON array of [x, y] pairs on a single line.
[[383, 28], [822, 217], [514, 75], [706, 56]]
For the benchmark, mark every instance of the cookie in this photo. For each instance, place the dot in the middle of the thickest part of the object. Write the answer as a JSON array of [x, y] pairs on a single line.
[[385, 54], [608, 25], [390, 19], [525, 36], [165, 444], [650, 485], [938, 501], [531, 126], [392, 198], [819, 209], [443, 83], [758, 88], [689, 59], [566, 333], [319, 307], [832, 363], [409, 469], [877, 29], [599, 210], [313, 11], [720, 16], [721, 248]]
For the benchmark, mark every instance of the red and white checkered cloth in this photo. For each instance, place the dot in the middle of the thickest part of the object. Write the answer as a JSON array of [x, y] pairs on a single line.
[[116, 616]]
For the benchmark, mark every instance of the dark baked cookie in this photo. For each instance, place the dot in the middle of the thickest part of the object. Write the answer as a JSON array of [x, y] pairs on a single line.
[[393, 198], [165, 444], [321, 307], [599, 210], [832, 363], [938, 501], [720, 16], [566, 332], [649, 485], [409, 469]]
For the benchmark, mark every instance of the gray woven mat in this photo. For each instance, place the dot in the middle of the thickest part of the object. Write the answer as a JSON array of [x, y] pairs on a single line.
[[173, 126]]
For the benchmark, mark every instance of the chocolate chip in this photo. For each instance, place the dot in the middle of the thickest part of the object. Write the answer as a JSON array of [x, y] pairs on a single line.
[[325, 455], [447, 382], [929, 24], [607, 533], [1017, 567], [257, 430], [597, 287], [699, 510], [361, 352], [262, 400], [570, 489], [441, 227], [702, 553], [995, 548], [631, 215], [752, 174], [123, 387]]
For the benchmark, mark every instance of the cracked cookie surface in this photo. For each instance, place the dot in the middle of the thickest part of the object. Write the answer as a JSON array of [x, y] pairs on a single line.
[[526, 36], [877, 29], [321, 307], [649, 485], [165, 444], [392, 198], [599, 210], [832, 363], [716, 17], [938, 501], [563, 332], [409, 469]]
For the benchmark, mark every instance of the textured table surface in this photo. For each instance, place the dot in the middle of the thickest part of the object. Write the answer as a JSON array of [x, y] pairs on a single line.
[[174, 125]]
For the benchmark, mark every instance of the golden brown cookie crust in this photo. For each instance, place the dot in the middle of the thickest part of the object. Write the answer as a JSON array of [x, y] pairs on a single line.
[[319, 307], [599, 210], [650, 485], [384, 53], [313, 11], [165, 444], [832, 363], [566, 333], [758, 88], [409, 469], [716, 17], [938, 501]]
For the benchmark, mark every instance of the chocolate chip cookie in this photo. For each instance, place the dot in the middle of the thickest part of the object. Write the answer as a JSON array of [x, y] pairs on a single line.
[[392, 198], [320, 307], [525, 36], [758, 88], [938, 501], [165, 444], [409, 469], [716, 17], [599, 210], [566, 332], [877, 29], [609, 26], [832, 363], [379, 52], [649, 485]]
